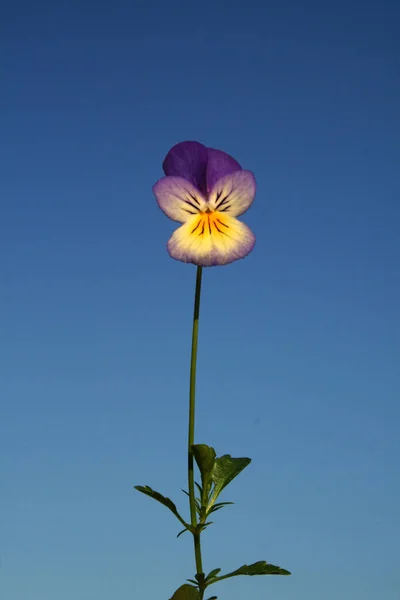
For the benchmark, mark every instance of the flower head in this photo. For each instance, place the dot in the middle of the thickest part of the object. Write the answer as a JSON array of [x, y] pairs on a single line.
[[206, 189]]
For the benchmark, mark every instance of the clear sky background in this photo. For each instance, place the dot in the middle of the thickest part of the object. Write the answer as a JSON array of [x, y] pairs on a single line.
[[299, 343]]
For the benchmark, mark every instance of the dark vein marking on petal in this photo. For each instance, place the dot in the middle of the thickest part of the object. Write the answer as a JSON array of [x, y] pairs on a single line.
[[225, 208], [220, 230], [221, 223], [223, 201], [209, 224], [193, 230], [193, 198], [191, 204]]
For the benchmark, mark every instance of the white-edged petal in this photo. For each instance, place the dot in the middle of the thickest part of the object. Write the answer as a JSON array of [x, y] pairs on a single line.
[[233, 194], [178, 198]]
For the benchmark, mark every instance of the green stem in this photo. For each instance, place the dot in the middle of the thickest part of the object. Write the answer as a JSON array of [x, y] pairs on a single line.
[[192, 395]]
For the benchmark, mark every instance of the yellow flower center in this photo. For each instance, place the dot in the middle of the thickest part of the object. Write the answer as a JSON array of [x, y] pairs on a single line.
[[209, 223]]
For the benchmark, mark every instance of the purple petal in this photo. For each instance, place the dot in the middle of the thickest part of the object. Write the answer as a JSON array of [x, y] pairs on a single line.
[[188, 160], [178, 198], [219, 165]]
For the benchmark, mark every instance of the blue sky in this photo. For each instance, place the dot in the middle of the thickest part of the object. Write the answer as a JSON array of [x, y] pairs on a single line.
[[299, 343]]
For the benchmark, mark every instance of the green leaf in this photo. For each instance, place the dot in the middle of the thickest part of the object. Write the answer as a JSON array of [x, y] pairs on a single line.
[[205, 459], [224, 471], [148, 491], [183, 531], [259, 568], [212, 574], [219, 505], [186, 592]]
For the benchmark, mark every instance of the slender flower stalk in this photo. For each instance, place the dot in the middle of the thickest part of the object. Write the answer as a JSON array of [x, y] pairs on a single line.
[[192, 409]]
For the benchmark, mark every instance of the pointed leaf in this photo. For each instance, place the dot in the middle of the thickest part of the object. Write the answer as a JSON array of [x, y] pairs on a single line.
[[205, 459], [148, 491], [212, 574], [214, 510], [145, 489], [217, 506], [259, 568], [186, 592], [226, 469], [183, 531]]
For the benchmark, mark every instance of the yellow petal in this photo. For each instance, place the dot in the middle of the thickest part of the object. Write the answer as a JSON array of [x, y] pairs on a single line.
[[211, 238]]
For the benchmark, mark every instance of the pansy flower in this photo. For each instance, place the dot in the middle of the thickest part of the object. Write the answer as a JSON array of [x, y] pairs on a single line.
[[205, 190]]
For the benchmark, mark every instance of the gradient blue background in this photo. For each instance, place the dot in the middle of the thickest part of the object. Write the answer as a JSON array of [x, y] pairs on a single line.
[[299, 343]]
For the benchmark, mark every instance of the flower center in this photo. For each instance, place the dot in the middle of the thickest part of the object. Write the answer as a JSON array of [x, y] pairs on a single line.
[[210, 222]]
